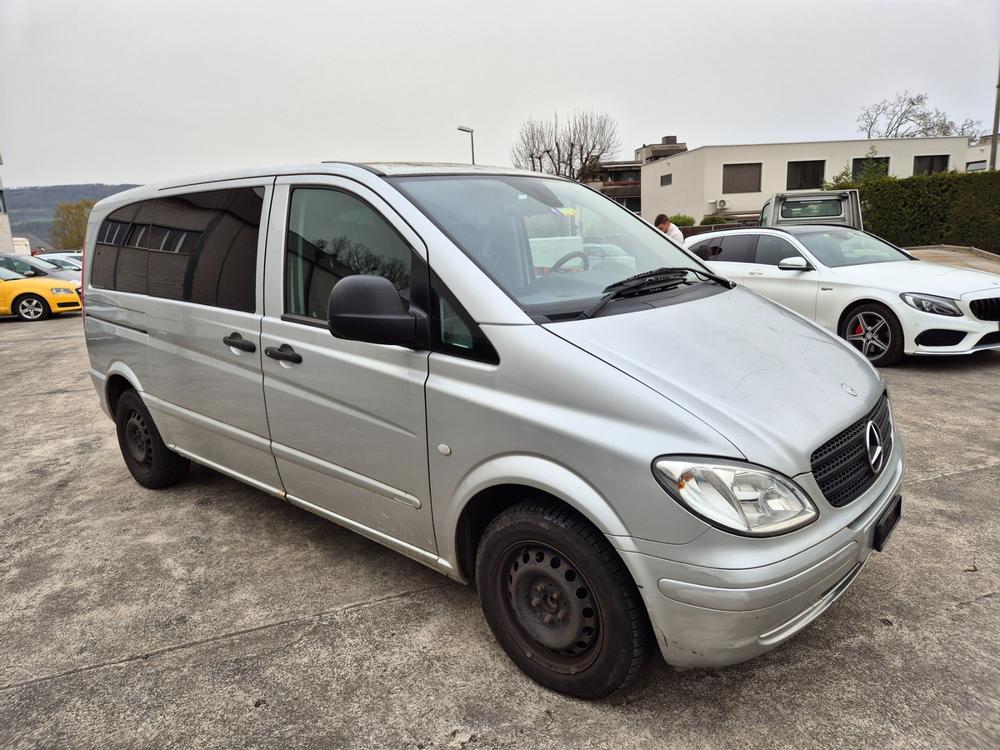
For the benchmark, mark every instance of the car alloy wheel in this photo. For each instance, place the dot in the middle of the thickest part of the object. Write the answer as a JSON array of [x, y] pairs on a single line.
[[871, 334], [31, 308]]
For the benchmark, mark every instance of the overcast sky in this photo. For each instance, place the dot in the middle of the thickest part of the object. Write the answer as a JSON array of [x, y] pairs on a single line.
[[137, 91]]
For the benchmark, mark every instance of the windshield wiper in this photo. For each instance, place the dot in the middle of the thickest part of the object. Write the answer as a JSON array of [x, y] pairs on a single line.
[[706, 274], [643, 283], [648, 282]]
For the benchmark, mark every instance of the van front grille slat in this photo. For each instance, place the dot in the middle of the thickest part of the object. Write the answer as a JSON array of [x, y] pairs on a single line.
[[840, 466]]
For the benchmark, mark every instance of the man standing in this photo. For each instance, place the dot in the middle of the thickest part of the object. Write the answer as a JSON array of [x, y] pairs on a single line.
[[666, 226]]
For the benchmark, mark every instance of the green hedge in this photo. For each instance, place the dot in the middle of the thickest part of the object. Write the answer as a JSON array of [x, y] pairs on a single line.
[[951, 208], [682, 220], [713, 219]]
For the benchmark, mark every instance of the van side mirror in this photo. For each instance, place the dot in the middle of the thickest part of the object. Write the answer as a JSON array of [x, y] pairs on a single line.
[[369, 308], [795, 263], [28, 273]]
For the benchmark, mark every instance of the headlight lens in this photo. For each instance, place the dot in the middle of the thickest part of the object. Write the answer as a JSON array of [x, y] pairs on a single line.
[[739, 497], [931, 304], [61, 290]]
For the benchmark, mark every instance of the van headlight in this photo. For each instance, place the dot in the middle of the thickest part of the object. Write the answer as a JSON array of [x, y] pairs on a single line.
[[735, 496], [930, 304]]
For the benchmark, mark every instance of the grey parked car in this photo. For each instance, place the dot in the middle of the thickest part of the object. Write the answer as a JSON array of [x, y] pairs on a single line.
[[30, 266], [620, 448]]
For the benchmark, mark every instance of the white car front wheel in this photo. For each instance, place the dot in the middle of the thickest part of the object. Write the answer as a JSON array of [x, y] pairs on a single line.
[[874, 331]]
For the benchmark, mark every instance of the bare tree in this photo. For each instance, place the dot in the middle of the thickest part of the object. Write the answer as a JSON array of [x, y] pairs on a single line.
[[568, 148], [909, 116]]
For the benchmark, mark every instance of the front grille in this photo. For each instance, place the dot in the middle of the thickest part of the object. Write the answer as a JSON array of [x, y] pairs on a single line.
[[841, 466], [986, 309], [67, 304]]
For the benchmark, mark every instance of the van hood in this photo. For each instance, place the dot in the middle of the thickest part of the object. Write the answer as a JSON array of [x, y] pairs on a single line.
[[772, 383], [920, 276]]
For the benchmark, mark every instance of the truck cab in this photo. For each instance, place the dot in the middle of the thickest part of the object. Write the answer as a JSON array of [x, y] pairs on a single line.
[[813, 207]]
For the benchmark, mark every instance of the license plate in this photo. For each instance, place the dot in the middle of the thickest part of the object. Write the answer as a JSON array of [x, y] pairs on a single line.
[[887, 523]]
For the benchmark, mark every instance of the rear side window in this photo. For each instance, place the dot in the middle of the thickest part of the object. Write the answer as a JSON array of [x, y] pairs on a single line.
[[738, 248], [332, 234], [110, 239], [197, 247]]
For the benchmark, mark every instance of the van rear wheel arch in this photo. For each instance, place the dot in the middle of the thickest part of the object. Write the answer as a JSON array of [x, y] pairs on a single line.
[[114, 388]]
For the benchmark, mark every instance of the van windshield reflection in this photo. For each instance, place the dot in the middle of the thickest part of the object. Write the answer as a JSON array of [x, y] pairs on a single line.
[[547, 242]]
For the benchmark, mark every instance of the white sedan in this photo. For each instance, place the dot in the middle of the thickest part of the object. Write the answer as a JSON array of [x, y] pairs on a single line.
[[881, 299]]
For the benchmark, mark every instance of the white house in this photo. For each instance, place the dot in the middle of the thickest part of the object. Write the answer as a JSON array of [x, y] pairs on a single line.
[[734, 181]]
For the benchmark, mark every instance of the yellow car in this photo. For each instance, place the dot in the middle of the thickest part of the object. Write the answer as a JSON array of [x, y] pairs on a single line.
[[37, 299]]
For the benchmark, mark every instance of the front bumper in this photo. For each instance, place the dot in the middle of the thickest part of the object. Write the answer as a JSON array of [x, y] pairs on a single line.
[[66, 303], [978, 334], [713, 617]]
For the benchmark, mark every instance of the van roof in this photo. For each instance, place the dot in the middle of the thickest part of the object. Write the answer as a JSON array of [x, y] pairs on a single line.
[[380, 169]]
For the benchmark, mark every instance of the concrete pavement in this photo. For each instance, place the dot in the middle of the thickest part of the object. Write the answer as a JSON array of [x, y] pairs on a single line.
[[212, 615]]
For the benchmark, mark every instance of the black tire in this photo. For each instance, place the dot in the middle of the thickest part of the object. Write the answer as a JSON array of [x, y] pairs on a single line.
[[560, 601], [31, 307], [874, 330], [151, 463]]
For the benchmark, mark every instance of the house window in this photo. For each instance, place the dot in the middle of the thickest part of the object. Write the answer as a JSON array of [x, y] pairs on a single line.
[[3, 202], [666, 179], [879, 163], [930, 164], [741, 178], [803, 175], [970, 166]]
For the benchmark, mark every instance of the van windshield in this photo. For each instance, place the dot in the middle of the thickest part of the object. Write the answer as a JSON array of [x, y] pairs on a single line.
[[553, 245]]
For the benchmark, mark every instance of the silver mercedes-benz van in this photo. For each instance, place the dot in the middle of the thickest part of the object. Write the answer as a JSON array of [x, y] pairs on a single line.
[[507, 377]]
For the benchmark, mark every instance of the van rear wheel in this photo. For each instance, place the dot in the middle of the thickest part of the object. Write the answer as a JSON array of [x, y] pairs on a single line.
[[560, 601], [151, 463]]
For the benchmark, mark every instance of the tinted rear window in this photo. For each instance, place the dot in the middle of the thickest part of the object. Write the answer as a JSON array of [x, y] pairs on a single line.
[[197, 247], [735, 248]]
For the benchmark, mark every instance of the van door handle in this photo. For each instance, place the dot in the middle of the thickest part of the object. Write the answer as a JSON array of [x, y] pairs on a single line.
[[238, 342], [755, 273], [283, 353]]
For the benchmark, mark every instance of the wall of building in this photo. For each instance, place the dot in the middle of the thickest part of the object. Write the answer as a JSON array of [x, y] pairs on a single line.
[[697, 174], [685, 193], [6, 241]]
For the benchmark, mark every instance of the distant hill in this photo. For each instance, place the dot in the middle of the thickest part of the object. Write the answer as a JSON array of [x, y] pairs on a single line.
[[31, 208]]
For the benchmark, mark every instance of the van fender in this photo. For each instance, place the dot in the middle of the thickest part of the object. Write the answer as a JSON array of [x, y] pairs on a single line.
[[120, 368], [530, 471]]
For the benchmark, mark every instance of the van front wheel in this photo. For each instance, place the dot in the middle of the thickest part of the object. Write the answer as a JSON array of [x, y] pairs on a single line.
[[151, 463], [560, 601]]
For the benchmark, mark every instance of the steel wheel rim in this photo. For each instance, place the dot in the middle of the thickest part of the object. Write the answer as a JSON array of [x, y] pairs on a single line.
[[31, 308], [138, 441], [556, 617], [871, 334]]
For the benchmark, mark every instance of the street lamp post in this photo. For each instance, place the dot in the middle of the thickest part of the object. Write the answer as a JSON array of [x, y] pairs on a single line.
[[472, 140]]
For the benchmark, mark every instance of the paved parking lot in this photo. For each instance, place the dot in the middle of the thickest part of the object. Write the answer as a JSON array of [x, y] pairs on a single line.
[[212, 615]]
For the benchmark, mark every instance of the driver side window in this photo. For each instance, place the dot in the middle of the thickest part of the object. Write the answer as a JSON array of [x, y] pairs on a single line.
[[772, 250], [332, 234]]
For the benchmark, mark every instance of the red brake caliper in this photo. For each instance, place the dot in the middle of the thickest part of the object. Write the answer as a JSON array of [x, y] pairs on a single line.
[[859, 329]]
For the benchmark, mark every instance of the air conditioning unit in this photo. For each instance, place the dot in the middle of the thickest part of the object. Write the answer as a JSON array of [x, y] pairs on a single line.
[[720, 202]]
